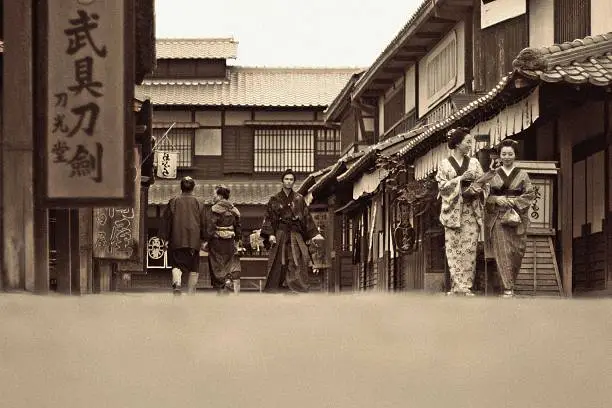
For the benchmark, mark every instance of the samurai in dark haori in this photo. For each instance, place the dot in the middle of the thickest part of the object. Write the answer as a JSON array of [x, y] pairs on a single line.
[[287, 227]]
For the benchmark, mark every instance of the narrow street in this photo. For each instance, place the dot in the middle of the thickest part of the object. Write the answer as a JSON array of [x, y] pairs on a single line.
[[259, 350]]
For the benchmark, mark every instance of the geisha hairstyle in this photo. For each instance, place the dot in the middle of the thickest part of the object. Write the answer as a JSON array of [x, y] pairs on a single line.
[[223, 191], [508, 143], [455, 136]]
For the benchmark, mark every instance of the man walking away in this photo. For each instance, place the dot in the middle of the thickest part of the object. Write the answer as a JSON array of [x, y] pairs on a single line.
[[183, 229]]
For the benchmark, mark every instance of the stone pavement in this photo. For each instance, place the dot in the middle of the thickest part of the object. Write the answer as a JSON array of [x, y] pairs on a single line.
[[260, 350]]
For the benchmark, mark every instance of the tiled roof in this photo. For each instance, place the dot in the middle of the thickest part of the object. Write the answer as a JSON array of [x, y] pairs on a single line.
[[196, 48], [587, 60], [342, 99], [387, 148], [420, 13], [241, 193], [582, 61], [248, 86]]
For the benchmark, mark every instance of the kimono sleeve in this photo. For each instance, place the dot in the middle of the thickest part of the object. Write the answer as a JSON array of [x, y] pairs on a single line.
[[165, 230], [525, 200], [237, 228], [205, 219], [478, 187], [269, 222], [310, 227], [448, 186]]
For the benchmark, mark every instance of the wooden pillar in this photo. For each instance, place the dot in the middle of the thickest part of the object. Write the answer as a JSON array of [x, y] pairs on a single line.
[[333, 242], [17, 148], [85, 223], [607, 174], [41, 242], [62, 245], [566, 204], [75, 256]]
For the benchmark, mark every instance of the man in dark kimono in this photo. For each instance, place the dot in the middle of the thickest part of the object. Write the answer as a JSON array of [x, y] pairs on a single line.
[[287, 226], [183, 229]]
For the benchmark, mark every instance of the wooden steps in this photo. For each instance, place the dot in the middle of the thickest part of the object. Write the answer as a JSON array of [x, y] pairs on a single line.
[[539, 274]]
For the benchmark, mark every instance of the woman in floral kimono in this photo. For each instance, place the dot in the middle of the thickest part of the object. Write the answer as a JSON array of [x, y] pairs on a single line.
[[223, 242], [510, 189], [462, 209]]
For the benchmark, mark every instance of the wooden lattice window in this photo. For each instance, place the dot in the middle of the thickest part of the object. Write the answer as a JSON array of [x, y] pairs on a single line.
[[572, 19], [442, 70], [178, 140], [328, 142], [277, 149]]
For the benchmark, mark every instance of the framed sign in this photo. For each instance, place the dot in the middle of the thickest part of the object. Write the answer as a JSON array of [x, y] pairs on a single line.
[[167, 164], [117, 231], [84, 94]]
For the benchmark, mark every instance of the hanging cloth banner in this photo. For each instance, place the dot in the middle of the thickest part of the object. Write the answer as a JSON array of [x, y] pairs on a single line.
[[167, 163]]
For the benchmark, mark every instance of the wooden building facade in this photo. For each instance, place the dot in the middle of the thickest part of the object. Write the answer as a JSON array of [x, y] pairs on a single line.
[[447, 63], [240, 126], [43, 249]]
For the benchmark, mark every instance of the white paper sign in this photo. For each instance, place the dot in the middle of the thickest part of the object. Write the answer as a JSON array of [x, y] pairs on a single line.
[[167, 163]]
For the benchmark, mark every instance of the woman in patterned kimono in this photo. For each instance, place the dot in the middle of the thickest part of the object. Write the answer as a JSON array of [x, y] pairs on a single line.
[[509, 188], [223, 243], [462, 209]]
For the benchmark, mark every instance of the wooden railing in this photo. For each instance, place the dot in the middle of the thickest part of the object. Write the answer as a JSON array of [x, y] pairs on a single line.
[[407, 122]]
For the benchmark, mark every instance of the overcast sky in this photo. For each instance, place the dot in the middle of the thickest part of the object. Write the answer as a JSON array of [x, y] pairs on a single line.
[[335, 33]]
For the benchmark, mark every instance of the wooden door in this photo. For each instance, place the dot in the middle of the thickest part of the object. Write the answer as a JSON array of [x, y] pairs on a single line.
[[589, 215]]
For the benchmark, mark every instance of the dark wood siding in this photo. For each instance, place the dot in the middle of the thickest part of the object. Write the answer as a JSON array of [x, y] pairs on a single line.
[[495, 48], [348, 129], [572, 19], [207, 167], [589, 266], [237, 150], [394, 108], [190, 68]]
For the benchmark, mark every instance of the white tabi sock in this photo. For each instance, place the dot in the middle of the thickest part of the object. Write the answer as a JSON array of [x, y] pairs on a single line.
[[176, 276]]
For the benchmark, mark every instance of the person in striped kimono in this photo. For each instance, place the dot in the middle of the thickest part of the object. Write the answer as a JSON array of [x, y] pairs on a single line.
[[506, 216], [462, 209]]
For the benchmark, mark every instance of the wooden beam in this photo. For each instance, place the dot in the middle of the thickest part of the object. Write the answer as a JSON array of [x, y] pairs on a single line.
[[401, 58], [394, 70], [441, 20], [383, 81], [412, 49], [566, 204], [17, 212], [429, 35], [452, 13]]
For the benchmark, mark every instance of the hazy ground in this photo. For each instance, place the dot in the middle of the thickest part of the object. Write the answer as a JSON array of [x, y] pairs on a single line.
[[254, 350]]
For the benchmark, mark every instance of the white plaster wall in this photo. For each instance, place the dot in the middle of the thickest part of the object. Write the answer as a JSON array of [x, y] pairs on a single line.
[[424, 103], [171, 116], [410, 100], [542, 23], [208, 118], [381, 115], [500, 10], [601, 16], [208, 142], [263, 115], [236, 118]]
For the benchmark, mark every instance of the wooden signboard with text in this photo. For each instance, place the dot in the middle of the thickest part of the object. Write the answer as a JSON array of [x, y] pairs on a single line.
[[84, 99], [117, 230]]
